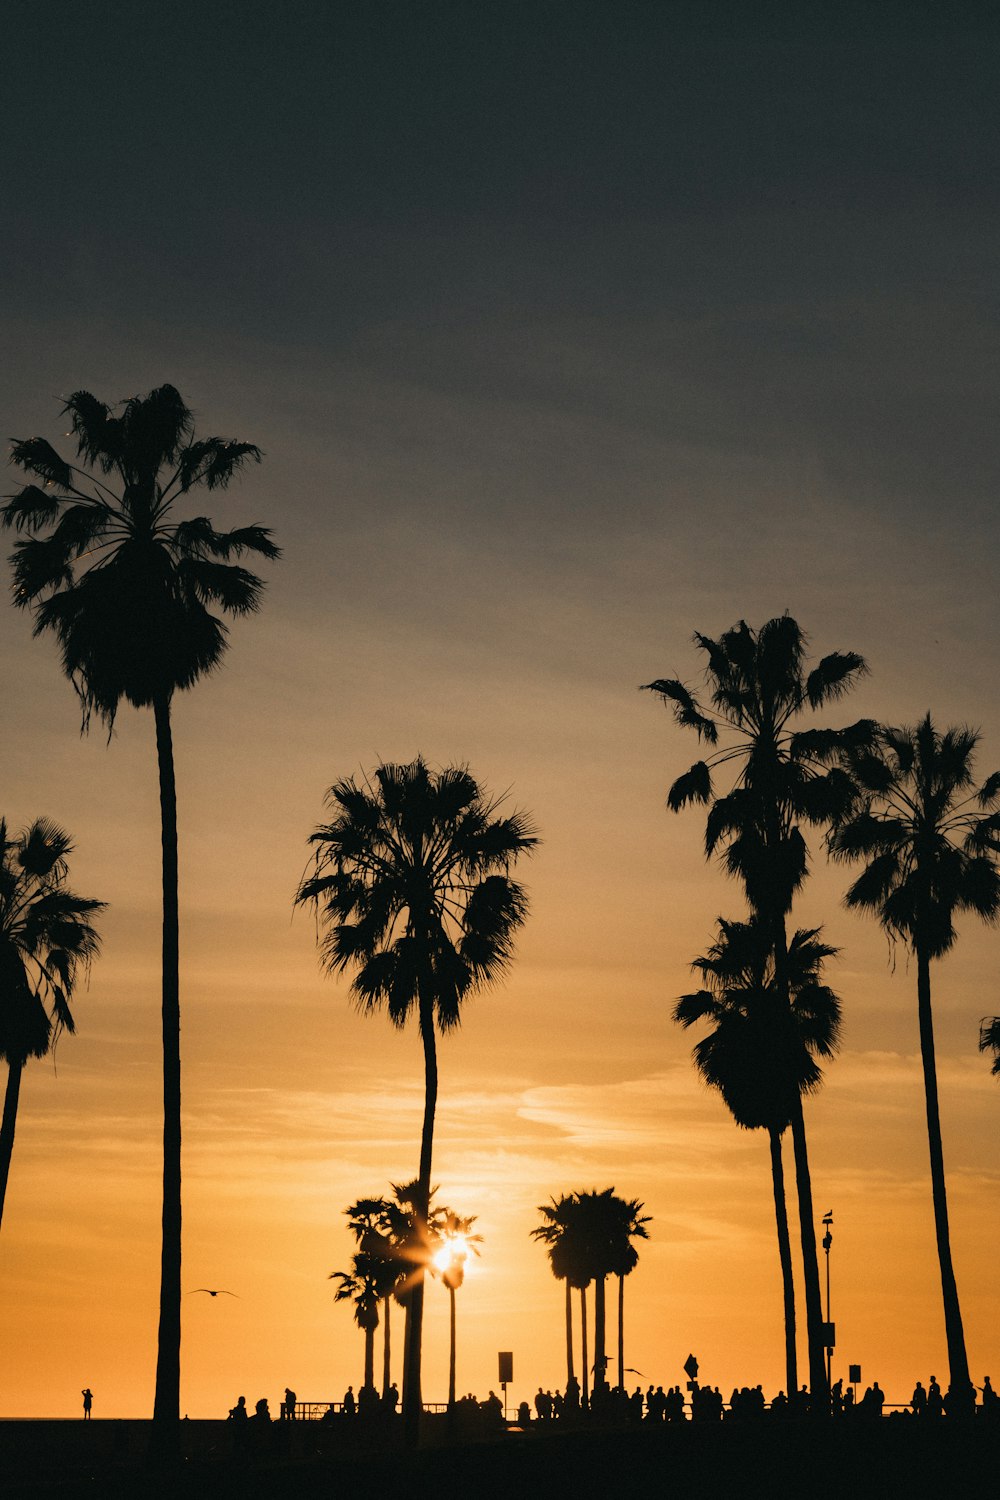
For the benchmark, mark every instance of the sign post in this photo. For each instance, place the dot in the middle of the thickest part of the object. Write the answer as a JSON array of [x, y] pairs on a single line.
[[505, 1360]]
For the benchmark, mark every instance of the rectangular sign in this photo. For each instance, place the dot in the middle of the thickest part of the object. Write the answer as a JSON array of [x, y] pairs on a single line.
[[506, 1360]]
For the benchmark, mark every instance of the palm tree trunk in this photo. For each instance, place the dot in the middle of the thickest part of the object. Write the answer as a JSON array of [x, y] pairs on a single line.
[[166, 1404], [585, 1394], [818, 1385], [386, 1347], [451, 1352], [412, 1400], [569, 1332], [10, 1098], [600, 1334], [369, 1359], [958, 1362], [621, 1332], [810, 1264], [785, 1257]]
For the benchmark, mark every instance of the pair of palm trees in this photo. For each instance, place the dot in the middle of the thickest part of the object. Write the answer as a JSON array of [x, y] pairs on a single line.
[[133, 596], [589, 1237], [413, 887], [901, 800]]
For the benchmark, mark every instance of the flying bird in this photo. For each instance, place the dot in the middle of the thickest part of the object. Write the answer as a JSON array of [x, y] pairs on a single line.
[[218, 1291]]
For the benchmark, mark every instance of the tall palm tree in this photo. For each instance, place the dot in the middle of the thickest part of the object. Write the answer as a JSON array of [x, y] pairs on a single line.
[[456, 1242], [630, 1224], [46, 939], [929, 839], [129, 589], [989, 1040], [758, 686], [412, 884], [362, 1287], [762, 1055]]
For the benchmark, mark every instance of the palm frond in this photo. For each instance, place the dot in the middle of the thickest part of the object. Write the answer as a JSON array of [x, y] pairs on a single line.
[[38, 457], [835, 676]]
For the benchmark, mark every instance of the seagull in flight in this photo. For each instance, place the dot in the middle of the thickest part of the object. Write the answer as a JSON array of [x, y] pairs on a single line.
[[216, 1292]]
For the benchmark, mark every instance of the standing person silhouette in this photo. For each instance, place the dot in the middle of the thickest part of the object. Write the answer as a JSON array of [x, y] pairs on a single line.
[[88, 1401]]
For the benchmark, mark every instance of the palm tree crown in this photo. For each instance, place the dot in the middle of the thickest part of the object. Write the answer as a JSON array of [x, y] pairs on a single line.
[[927, 835], [412, 882], [128, 588], [989, 1040], [46, 939], [761, 1054]]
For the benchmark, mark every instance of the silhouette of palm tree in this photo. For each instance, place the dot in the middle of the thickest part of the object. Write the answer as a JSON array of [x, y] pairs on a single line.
[[129, 590], [630, 1225], [758, 685], [362, 1287], [989, 1040], [761, 1054], [456, 1241], [928, 839], [412, 884], [46, 938], [556, 1232], [381, 1228]]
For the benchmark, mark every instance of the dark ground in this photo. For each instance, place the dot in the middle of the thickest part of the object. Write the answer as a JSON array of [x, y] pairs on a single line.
[[896, 1457]]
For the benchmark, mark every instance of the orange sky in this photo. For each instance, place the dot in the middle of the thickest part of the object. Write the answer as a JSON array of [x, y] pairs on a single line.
[[524, 434]]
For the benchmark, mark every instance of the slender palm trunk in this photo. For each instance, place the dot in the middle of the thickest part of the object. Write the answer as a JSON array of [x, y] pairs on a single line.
[[785, 1257], [166, 1405], [386, 1346], [600, 1334], [10, 1098], [958, 1363], [451, 1352], [818, 1385], [621, 1332], [810, 1263], [569, 1332], [370, 1359], [585, 1393], [412, 1400]]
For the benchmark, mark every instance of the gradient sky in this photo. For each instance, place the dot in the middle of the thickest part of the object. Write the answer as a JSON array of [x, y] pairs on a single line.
[[567, 329]]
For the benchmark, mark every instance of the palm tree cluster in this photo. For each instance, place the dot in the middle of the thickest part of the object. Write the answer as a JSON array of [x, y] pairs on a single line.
[[901, 800], [393, 1249], [589, 1237], [413, 882]]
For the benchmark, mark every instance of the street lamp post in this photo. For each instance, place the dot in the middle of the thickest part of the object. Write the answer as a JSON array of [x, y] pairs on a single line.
[[827, 1242]]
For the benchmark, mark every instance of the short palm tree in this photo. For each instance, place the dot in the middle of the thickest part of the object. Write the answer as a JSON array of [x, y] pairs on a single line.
[[412, 883], [456, 1242], [46, 940], [781, 781], [762, 1055], [989, 1040], [630, 1224], [928, 838], [556, 1232], [130, 592], [362, 1287], [379, 1227]]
